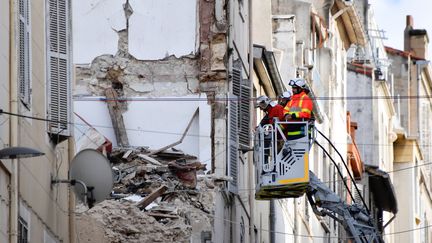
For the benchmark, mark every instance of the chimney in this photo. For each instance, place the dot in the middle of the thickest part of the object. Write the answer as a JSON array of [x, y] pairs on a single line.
[[416, 41], [409, 26]]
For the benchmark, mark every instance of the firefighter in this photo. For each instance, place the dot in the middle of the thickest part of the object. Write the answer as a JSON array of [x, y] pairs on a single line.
[[299, 108], [284, 98], [271, 108]]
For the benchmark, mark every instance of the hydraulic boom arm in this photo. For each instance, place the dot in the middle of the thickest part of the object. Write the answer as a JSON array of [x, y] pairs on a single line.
[[354, 218]]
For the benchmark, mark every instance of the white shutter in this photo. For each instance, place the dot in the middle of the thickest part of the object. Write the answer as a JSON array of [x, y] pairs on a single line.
[[24, 52], [59, 91], [241, 88], [245, 114], [233, 156]]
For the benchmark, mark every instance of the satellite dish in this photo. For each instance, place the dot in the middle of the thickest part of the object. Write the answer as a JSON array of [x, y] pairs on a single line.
[[93, 169]]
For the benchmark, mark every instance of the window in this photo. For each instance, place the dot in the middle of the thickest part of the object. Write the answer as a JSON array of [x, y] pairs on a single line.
[[59, 66], [24, 63], [22, 231]]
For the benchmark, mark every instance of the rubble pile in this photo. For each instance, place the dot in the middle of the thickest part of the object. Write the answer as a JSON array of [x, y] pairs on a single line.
[[156, 198]]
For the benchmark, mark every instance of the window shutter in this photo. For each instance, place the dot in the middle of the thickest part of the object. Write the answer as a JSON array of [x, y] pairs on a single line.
[[241, 88], [24, 53], [59, 97], [233, 143], [245, 116]]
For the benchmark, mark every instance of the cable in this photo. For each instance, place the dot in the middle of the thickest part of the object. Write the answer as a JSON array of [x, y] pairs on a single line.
[[188, 135], [347, 170], [177, 99], [337, 168]]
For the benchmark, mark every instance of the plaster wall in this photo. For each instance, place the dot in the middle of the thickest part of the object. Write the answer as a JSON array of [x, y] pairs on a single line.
[[4, 71], [262, 23], [362, 112], [95, 27], [153, 35], [154, 122], [284, 40], [4, 204], [48, 207], [400, 69], [404, 187]]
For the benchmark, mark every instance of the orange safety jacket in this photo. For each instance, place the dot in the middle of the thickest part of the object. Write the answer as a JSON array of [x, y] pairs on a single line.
[[300, 105]]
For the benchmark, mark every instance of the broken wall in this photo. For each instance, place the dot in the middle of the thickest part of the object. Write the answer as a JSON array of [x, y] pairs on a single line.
[[154, 123], [147, 51]]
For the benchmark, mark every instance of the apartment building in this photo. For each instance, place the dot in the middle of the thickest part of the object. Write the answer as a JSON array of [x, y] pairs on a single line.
[[412, 89], [35, 56]]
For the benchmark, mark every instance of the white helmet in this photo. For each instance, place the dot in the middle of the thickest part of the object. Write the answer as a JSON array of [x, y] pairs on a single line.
[[263, 101], [298, 82], [285, 95]]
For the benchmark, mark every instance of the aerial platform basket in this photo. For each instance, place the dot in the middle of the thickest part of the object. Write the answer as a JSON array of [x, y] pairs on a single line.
[[282, 160]]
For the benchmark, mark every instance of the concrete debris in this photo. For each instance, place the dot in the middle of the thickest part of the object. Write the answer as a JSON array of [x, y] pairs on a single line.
[[156, 198], [186, 173]]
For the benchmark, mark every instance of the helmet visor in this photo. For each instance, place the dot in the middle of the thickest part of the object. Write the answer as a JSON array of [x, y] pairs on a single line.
[[262, 105]]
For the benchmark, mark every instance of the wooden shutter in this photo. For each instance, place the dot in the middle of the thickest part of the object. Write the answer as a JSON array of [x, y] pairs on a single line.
[[245, 114], [24, 53], [241, 89], [59, 97], [233, 157]]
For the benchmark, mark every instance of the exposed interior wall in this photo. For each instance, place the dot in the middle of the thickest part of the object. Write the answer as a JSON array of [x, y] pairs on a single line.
[[163, 71], [153, 35], [93, 38], [154, 123]]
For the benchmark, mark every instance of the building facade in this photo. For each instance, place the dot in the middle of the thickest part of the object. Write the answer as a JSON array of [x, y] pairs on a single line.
[[35, 83], [412, 87]]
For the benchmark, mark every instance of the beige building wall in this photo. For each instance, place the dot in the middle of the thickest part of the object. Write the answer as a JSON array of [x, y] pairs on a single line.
[[44, 208], [407, 188]]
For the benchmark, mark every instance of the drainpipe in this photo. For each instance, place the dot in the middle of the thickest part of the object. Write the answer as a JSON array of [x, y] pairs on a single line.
[[272, 221], [13, 121], [251, 165], [420, 65], [72, 228]]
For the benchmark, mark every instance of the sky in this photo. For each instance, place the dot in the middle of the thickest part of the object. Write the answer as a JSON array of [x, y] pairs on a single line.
[[391, 15]]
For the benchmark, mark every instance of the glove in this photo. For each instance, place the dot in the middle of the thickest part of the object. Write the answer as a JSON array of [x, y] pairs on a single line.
[[293, 116]]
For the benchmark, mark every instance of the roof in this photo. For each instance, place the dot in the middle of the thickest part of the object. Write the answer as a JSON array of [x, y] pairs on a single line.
[[349, 23], [406, 54], [360, 68]]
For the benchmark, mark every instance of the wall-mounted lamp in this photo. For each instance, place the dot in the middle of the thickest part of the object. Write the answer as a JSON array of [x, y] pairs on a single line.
[[19, 152]]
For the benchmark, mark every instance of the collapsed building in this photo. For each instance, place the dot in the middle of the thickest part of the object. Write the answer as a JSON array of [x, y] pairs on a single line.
[[156, 198]]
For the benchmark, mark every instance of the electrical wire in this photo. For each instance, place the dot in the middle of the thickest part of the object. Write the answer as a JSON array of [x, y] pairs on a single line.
[[347, 170], [65, 211], [205, 99], [187, 135]]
